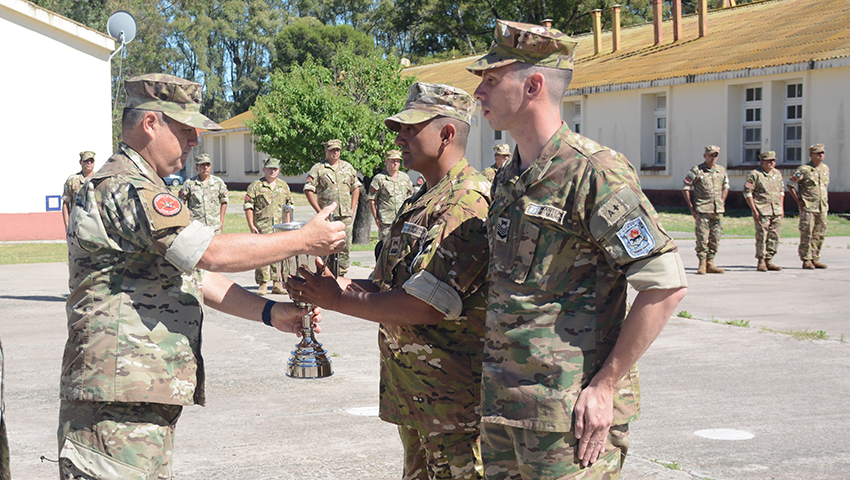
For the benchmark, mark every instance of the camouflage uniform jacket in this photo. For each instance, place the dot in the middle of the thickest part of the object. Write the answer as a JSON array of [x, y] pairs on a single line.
[[389, 194], [135, 308], [267, 202], [490, 172], [205, 200], [437, 249], [333, 184], [565, 234], [812, 183], [708, 185], [766, 189], [72, 186]]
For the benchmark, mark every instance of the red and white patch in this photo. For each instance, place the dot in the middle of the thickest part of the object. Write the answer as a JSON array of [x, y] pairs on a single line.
[[167, 205], [687, 179], [247, 199], [749, 184]]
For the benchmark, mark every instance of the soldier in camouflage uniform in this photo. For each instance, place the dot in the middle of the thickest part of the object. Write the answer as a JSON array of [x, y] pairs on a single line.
[[132, 359], [205, 195], [388, 190], [569, 231], [813, 201], [428, 291], [264, 201], [764, 193], [75, 182], [335, 180], [710, 186], [501, 153]]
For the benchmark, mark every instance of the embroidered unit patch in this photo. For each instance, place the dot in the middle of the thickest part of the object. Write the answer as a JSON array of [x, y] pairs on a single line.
[[545, 212], [167, 205], [503, 229], [394, 244], [636, 238]]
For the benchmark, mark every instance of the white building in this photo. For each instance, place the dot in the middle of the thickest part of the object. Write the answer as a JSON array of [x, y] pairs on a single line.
[[56, 85]]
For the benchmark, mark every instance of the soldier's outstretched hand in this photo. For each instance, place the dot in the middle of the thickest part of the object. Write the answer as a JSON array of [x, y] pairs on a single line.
[[322, 237]]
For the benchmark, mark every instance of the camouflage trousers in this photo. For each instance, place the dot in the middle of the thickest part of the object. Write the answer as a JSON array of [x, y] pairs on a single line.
[[440, 456], [5, 473], [344, 261], [512, 453], [812, 232], [276, 271], [708, 229], [112, 441], [767, 235]]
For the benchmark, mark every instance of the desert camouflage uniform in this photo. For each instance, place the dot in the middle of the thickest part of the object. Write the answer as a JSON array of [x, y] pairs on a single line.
[[205, 200], [564, 235], [431, 374], [267, 203], [812, 183], [490, 172], [388, 194], [134, 321], [72, 186], [335, 184], [707, 185], [767, 192], [4, 440]]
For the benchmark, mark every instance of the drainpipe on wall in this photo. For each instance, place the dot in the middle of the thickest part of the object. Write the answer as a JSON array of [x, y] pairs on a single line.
[[597, 31], [677, 20], [703, 18], [615, 27], [725, 3], [656, 20]]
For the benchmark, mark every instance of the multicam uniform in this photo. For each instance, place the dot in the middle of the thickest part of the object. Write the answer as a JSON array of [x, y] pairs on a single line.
[[205, 200], [767, 192], [335, 183], [389, 193], [707, 185], [812, 183], [72, 186], [567, 237], [490, 172], [134, 321], [431, 374], [267, 203]]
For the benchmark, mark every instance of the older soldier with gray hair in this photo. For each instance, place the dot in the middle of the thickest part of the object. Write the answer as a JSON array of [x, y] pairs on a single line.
[[205, 194], [75, 182], [133, 358], [428, 291], [813, 200], [570, 231], [764, 193], [501, 153]]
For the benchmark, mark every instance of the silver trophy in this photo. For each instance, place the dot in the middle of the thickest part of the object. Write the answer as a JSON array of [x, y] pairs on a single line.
[[309, 359]]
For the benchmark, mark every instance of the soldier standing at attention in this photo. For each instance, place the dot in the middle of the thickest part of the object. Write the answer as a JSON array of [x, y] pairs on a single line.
[[264, 201], [710, 186], [205, 195], [428, 291], [74, 182], [570, 231], [764, 193], [813, 201], [335, 180], [501, 153], [388, 190], [141, 270]]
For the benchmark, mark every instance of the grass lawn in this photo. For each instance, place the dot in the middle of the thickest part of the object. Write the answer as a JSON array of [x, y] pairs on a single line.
[[739, 223]]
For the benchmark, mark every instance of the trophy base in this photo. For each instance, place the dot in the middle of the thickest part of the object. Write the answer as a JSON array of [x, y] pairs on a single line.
[[309, 363]]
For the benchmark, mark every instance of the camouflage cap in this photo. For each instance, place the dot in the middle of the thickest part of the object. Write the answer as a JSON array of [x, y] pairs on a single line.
[[88, 154], [428, 100], [332, 144], [202, 159], [527, 43], [712, 149], [502, 149], [768, 155], [271, 162], [816, 148], [175, 97], [393, 154]]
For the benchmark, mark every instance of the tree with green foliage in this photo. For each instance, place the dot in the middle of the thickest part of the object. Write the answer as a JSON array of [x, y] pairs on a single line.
[[310, 37]]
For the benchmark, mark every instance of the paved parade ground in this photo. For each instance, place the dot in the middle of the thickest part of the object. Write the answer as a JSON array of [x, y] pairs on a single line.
[[784, 399]]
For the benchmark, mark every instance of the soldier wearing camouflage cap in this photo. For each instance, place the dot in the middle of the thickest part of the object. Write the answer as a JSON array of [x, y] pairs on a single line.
[[765, 195], [205, 194], [75, 182], [335, 180], [133, 359], [705, 189], [812, 180], [501, 153], [429, 291], [387, 191], [570, 230]]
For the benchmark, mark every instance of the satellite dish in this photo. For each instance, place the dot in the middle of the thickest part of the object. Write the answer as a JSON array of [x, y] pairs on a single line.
[[121, 26]]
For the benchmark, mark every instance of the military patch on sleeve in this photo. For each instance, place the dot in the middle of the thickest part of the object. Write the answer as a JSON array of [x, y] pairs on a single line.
[[394, 244], [613, 210], [795, 178], [167, 205], [546, 212], [688, 179], [636, 238], [749, 185], [503, 229], [247, 199], [414, 230]]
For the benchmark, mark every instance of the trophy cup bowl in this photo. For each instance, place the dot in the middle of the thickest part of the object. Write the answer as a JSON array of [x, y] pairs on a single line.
[[309, 359]]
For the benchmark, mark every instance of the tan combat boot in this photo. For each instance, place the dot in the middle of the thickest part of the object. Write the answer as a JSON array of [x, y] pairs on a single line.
[[762, 267], [807, 264], [701, 269], [263, 290], [817, 264], [710, 268], [771, 266], [277, 287]]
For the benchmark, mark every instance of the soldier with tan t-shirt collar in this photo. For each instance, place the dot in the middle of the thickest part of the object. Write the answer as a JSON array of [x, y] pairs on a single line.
[[764, 193], [813, 199], [705, 189]]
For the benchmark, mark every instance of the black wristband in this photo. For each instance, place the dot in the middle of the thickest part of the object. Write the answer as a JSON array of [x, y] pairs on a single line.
[[267, 312]]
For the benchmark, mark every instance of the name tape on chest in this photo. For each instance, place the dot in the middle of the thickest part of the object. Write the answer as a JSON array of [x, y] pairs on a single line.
[[414, 230], [636, 238], [546, 212]]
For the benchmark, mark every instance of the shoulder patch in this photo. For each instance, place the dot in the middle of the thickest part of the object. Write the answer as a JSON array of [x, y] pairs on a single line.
[[636, 238], [167, 204]]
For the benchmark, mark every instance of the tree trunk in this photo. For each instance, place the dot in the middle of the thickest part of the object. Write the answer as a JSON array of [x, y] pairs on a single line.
[[363, 221]]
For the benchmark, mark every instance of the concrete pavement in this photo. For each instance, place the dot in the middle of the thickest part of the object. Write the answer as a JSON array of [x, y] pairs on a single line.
[[790, 395]]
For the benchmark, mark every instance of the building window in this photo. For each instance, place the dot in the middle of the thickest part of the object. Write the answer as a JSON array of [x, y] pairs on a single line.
[[752, 124], [252, 158], [577, 118], [219, 154], [792, 123], [660, 156], [497, 135]]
